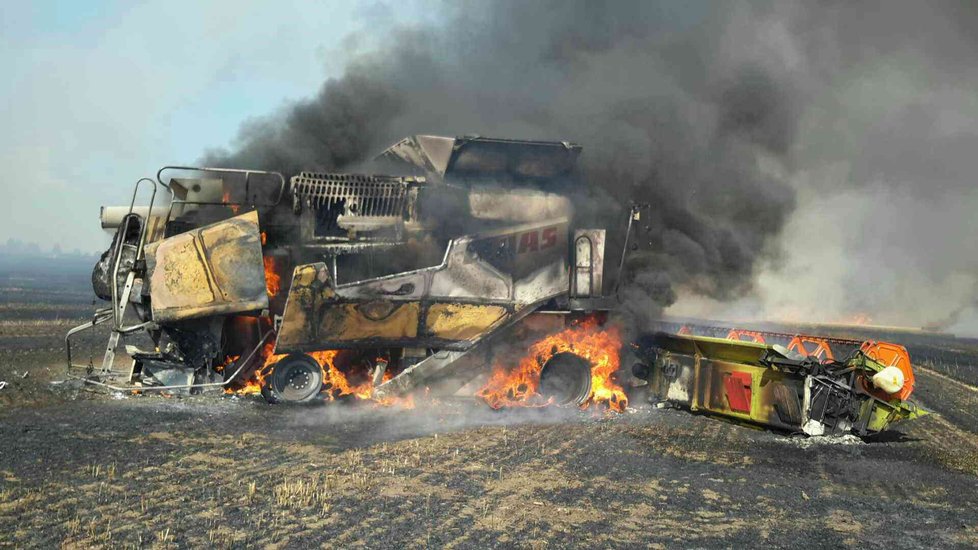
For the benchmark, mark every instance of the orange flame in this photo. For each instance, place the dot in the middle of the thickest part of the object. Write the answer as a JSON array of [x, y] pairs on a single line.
[[226, 198], [257, 381], [273, 282], [336, 383], [519, 387]]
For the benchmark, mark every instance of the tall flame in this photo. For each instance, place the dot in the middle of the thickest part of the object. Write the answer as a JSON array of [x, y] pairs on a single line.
[[273, 282], [519, 387]]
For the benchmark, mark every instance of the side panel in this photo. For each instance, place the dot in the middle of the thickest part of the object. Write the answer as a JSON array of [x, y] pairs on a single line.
[[212, 270], [484, 282]]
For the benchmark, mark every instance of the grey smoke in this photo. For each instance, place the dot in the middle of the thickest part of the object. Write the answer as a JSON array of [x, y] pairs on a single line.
[[349, 424], [884, 163], [724, 117]]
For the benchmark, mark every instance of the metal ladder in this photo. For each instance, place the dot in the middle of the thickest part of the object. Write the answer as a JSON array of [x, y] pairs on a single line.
[[120, 299]]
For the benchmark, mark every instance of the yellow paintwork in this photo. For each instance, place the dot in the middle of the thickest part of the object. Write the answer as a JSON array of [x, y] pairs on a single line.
[[461, 321], [212, 270], [347, 321]]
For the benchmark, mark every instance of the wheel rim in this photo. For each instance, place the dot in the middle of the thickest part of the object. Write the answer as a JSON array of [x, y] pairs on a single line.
[[566, 378], [297, 378]]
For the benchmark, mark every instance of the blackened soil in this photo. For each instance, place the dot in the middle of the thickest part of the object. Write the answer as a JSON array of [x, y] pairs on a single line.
[[234, 472]]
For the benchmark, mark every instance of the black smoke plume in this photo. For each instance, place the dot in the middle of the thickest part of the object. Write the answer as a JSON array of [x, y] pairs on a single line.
[[723, 117], [672, 108]]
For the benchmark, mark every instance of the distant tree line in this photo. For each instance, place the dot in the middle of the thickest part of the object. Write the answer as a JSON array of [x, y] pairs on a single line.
[[18, 248]]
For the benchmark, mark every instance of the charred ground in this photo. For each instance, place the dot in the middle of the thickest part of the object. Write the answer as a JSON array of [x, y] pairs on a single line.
[[81, 469]]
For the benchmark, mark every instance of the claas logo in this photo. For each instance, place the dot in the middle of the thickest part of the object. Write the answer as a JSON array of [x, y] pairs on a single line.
[[510, 247], [537, 239]]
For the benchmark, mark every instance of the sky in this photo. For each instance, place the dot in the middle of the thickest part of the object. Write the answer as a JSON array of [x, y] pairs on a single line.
[[883, 121], [99, 93]]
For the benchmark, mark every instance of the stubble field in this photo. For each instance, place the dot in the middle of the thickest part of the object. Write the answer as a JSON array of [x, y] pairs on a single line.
[[82, 469]]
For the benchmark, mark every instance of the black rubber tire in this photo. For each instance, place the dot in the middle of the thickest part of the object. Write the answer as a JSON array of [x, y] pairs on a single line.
[[566, 378], [296, 379]]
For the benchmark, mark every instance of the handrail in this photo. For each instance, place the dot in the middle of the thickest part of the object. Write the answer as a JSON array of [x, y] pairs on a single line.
[[247, 175], [223, 384], [100, 316], [116, 306], [634, 211]]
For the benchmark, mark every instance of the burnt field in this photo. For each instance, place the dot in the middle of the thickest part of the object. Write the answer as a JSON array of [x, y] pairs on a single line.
[[83, 469]]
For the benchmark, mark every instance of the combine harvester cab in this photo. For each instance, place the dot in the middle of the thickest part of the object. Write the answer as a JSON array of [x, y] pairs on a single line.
[[347, 284], [173, 275], [778, 387]]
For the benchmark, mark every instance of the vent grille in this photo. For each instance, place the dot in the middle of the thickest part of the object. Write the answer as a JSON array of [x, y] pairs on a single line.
[[359, 195]]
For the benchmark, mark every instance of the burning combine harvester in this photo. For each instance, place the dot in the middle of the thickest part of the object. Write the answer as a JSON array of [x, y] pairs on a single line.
[[462, 272]]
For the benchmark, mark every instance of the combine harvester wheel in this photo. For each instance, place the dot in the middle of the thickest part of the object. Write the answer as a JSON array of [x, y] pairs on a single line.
[[566, 378], [297, 378]]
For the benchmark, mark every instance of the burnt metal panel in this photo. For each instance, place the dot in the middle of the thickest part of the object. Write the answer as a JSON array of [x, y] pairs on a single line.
[[212, 270], [488, 158], [479, 158], [387, 320], [451, 305], [422, 153]]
